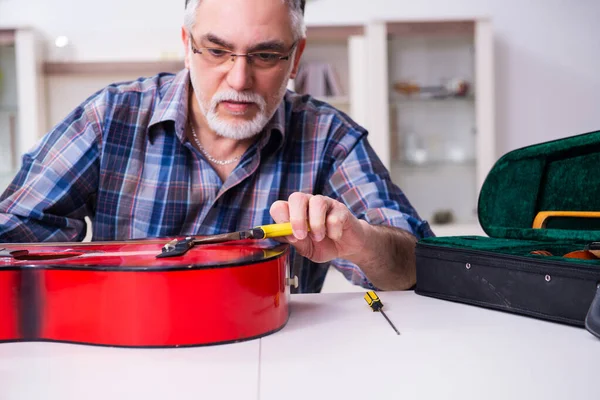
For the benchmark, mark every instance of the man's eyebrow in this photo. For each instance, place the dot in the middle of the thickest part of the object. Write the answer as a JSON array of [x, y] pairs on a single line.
[[271, 45], [217, 40]]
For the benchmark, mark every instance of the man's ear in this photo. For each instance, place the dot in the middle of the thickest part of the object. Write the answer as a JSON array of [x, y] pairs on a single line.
[[297, 55], [185, 39]]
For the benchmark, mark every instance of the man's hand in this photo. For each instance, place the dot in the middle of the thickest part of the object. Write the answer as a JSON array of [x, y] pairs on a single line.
[[385, 254], [334, 230]]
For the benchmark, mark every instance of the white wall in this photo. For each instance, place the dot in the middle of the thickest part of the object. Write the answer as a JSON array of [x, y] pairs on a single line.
[[547, 51]]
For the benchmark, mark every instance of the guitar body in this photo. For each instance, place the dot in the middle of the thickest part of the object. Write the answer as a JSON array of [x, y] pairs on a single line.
[[120, 294]]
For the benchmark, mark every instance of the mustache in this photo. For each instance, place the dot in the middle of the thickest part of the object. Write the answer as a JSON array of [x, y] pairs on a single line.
[[234, 95]]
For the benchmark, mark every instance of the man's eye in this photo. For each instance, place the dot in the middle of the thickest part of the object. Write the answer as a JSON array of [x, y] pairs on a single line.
[[217, 52], [266, 56]]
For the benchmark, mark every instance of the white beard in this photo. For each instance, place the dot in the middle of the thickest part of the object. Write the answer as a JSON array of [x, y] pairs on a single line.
[[240, 129]]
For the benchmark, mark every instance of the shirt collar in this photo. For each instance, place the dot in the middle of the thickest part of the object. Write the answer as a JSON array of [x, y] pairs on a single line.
[[274, 130], [173, 103]]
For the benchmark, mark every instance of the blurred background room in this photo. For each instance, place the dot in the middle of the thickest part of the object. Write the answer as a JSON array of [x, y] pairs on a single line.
[[445, 87]]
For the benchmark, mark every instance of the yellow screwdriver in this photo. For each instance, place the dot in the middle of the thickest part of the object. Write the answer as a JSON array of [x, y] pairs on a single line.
[[375, 303], [180, 247]]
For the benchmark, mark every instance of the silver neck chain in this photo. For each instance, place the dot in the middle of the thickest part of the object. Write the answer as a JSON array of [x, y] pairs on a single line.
[[211, 158]]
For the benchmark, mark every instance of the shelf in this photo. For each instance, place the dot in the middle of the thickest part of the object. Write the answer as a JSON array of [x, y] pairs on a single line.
[[430, 28], [107, 67], [332, 32], [335, 100], [7, 37], [423, 99], [333, 51]]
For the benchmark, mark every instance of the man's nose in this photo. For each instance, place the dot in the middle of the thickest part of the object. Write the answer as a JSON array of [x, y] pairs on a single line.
[[240, 74]]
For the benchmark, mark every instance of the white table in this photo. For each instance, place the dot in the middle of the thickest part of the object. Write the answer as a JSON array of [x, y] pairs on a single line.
[[48, 371], [333, 347]]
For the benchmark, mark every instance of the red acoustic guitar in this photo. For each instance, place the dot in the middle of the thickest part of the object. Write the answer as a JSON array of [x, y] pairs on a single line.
[[130, 294]]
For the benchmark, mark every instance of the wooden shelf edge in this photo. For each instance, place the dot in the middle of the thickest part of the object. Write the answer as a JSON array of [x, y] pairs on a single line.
[[440, 28], [7, 37], [395, 100], [334, 100], [332, 32], [108, 67]]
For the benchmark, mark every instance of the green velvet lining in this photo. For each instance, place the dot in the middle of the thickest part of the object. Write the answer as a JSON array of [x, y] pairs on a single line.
[[560, 175], [513, 247]]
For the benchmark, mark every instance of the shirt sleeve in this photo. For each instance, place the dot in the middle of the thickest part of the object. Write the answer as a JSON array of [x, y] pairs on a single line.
[[360, 181], [54, 189]]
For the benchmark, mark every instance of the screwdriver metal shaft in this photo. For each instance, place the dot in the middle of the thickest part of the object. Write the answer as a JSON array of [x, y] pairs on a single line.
[[375, 303], [388, 320]]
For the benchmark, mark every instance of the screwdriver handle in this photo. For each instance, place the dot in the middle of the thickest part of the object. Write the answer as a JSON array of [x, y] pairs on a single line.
[[373, 300], [277, 230]]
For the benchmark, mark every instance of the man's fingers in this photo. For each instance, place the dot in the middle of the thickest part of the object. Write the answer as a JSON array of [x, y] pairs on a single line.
[[318, 206], [280, 211], [326, 217], [298, 209], [336, 221]]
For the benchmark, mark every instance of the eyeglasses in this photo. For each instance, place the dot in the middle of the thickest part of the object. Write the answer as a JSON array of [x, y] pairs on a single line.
[[216, 56]]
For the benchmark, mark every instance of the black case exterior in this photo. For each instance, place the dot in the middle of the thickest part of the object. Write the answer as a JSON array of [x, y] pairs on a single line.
[[505, 270], [554, 291]]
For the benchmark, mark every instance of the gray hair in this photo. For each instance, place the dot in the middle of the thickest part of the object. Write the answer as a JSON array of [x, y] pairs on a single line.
[[296, 16]]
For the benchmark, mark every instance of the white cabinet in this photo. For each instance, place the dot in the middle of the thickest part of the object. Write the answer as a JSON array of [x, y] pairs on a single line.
[[425, 92], [8, 107], [335, 53], [431, 113], [70, 83], [21, 98]]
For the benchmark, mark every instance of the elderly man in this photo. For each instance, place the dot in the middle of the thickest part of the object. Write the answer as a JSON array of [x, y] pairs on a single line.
[[222, 146]]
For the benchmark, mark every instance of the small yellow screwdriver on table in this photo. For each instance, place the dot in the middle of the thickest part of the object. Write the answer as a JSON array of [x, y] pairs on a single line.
[[375, 303]]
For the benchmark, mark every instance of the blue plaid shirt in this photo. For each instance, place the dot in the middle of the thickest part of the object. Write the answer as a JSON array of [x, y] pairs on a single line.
[[121, 158]]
